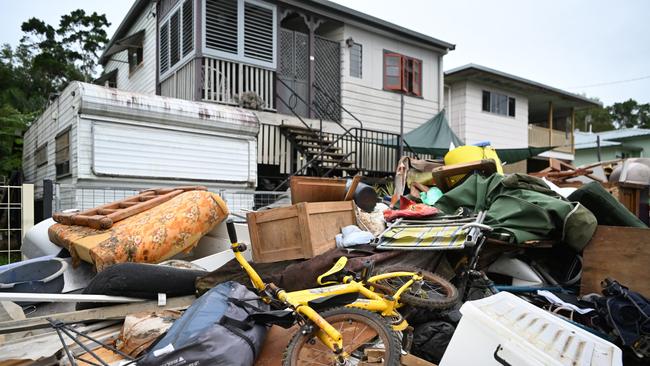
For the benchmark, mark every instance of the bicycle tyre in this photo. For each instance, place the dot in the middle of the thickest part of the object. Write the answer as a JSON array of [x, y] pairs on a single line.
[[296, 353], [436, 292]]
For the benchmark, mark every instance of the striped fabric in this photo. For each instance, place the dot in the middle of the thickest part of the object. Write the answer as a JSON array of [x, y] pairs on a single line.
[[424, 237]]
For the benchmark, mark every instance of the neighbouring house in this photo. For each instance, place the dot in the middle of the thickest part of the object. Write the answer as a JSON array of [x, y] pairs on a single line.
[[616, 144], [511, 112], [325, 85]]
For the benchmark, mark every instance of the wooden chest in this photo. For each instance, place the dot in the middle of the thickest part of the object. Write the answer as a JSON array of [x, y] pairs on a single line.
[[303, 230]]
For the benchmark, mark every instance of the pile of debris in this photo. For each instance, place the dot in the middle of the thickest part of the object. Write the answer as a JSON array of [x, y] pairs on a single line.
[[460, 264]]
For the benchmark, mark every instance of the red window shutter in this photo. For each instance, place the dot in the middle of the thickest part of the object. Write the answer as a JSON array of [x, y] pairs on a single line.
[[393, 71], [417, 77]]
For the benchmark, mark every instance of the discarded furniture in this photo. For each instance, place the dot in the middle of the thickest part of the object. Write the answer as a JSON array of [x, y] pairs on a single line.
[[504, 329], [303, 230], [148, 237], [103, 217], [314, 189], [442, 233], [618, 252]]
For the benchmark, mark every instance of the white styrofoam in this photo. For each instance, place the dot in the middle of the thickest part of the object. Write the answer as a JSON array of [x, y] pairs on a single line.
[[506, 327]]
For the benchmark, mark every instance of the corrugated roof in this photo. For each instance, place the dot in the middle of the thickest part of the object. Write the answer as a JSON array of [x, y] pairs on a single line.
[[458, 72], [587, 140], [330, 6]]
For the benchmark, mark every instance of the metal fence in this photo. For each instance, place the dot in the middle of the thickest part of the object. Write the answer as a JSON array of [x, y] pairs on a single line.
[[68, 196], [16, 217]]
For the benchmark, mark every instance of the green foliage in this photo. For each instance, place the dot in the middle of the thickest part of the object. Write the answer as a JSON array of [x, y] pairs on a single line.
[[44, 62], [627, 114]]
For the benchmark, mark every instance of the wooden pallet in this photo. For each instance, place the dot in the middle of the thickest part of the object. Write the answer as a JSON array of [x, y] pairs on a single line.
[[103, 217]]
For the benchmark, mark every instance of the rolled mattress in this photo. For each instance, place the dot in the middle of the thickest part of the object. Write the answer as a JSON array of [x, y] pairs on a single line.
[[149, 237]]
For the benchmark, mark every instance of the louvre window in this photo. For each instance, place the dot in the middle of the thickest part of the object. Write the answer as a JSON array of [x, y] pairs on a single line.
[[356, 60], [498, 103], [241, 30], [188, 27], [62, 154], [258, 32], [40, 155], [402, 73], [221, 25], [164, 47], [176, 36]]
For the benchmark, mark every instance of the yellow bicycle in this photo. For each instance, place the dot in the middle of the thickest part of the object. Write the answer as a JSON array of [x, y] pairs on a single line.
[[349, 306]]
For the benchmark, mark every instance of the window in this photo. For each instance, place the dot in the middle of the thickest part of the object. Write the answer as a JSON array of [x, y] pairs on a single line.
[[62, 154], [111, 81], [355, 60], [176, 36], [40, 155], [402, 73], [498, 103], [135, 57], [241, 30]]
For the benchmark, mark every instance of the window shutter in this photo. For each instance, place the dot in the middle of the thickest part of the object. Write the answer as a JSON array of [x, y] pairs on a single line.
[[417, 77], [258, 32], [393, 70], [164, 47], [174, 39], [221, 25], [188, 27]]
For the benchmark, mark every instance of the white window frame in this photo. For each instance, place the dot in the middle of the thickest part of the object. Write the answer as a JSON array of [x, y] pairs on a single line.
[[239, 57], [183, 59], [508, 97]]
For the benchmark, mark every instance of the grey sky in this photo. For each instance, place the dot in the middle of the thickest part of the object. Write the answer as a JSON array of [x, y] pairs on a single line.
[[566, 44]]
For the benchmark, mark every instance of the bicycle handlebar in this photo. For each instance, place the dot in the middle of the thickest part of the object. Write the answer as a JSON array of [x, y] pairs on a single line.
[[232, 233]]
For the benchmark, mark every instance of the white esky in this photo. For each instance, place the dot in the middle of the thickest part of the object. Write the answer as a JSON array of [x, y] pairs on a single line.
[[566, 44]]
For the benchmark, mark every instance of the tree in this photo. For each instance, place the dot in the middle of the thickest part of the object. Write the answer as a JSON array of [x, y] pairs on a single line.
[[598, 117], [630, 114], [44, 62]]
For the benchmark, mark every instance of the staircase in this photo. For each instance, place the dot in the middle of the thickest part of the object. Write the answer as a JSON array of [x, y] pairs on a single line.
[[325, 160]]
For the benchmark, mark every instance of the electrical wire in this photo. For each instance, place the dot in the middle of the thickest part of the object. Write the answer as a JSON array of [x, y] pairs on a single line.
[[610, 82]]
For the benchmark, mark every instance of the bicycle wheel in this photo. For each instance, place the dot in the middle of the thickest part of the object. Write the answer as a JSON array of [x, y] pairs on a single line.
[[359, 328], [435, 292]]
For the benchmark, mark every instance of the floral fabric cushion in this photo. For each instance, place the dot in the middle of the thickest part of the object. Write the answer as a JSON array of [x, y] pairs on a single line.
[[148, 237]]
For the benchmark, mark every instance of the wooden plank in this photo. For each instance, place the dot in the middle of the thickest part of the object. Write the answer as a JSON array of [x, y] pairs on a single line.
[[102, 313], [620, 253]]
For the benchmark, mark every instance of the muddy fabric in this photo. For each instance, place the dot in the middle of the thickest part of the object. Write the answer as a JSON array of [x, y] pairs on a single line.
[[523, 207], [410, 210], [299, 275], [148, 237], [430, 340], [141, 280], [140, 330]]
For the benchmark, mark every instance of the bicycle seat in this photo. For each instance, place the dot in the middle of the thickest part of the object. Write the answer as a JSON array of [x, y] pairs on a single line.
[[283, 318], [332, 276]]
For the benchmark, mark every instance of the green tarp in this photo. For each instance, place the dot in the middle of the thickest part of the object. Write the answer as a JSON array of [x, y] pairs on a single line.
[[435, 136], [523, 207]]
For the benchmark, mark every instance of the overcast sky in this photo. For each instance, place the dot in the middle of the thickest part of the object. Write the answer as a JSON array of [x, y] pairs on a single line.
[[572, 45]]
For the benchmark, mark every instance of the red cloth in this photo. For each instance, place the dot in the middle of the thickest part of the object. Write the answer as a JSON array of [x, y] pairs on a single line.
[[410, 209]]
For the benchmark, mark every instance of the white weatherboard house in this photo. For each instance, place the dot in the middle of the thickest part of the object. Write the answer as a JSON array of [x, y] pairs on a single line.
[[484, 104], [325, 82]]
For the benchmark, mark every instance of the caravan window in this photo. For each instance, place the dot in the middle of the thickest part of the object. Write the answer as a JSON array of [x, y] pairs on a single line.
[[62, 154]]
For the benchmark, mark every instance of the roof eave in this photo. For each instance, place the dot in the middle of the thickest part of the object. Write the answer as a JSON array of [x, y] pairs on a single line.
[[128, 21]]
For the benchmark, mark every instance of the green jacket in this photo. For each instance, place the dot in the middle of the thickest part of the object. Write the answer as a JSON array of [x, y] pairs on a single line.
[[524, 207]]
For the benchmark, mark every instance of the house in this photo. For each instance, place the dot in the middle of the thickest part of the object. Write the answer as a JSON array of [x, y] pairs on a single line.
[[616, 144], [328, 90], [511, 112], [328, 81]]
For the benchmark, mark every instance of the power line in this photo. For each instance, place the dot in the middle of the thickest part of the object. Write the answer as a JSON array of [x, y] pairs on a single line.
[[610, 82]]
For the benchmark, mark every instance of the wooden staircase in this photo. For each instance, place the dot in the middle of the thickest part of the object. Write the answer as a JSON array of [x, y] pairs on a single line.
[[327, 160]]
